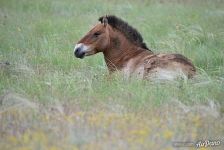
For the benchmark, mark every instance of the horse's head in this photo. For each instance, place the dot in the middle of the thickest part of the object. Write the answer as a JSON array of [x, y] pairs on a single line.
[[96, 40]]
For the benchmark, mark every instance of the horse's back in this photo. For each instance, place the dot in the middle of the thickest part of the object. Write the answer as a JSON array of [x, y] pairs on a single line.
[[168, 66]]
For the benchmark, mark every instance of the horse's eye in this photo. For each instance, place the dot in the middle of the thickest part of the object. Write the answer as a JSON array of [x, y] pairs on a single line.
[[96, 34]]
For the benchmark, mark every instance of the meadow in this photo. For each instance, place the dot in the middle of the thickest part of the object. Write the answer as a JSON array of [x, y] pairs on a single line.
[[50, 100]]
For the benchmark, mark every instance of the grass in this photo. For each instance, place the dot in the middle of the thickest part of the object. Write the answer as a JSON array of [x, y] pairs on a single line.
[[51, 100]]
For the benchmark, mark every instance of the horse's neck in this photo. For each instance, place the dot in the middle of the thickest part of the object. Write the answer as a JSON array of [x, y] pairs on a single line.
[[120, 52]]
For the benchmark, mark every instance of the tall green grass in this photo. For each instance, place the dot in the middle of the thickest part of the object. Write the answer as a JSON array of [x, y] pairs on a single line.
[[37, 38]]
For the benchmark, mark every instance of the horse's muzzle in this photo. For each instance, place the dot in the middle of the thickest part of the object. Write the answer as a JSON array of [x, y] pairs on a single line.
[[79, 53]]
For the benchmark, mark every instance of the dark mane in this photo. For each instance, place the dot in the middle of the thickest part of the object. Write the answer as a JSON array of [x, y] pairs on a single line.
[[129, 32]]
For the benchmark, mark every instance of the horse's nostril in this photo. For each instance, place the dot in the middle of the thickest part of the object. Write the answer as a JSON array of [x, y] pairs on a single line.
[[78, 53], [77, 50]]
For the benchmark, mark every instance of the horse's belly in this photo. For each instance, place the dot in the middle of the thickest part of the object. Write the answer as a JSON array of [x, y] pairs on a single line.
[[166, 74], [170, 71]]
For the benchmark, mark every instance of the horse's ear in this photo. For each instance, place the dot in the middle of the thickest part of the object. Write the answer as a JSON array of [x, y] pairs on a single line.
[[104, 20]]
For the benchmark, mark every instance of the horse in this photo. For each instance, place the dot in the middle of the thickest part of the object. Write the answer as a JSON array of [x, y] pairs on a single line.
[[124, 50]]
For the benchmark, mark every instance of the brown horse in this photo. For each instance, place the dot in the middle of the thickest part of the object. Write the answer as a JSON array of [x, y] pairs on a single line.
[[124, 50]]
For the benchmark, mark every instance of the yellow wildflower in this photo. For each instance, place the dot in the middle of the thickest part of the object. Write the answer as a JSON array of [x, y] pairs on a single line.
[[168, 134]]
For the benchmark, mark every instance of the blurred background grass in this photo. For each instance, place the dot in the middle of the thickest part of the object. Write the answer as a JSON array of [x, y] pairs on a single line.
[[38, 37]]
